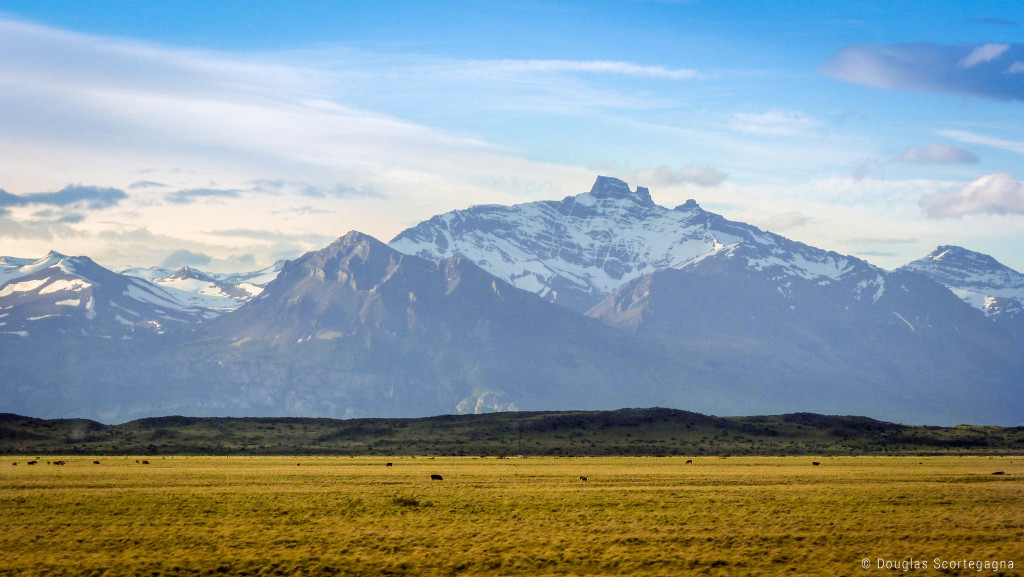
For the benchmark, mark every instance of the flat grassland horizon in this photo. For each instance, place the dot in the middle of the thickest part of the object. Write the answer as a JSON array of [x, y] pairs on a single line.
[[318, 515]]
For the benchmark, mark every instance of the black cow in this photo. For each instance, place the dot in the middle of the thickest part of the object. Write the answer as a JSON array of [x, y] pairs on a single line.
[[145, 462], [436, 477], [815, 463], [689, 461], [583, 479], [387, 464]]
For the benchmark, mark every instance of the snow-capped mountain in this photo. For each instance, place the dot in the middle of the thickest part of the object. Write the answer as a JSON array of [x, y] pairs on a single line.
[[252, 282], [576, 251], [58, 294], [842, 346], [217, 292], [359, 329], [684, 309], [980, 280]]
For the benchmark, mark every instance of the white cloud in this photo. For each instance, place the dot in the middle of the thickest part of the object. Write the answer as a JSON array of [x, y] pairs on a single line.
[[786, 220], [937, 154], [984, 53], [117, 113], [998, 193]]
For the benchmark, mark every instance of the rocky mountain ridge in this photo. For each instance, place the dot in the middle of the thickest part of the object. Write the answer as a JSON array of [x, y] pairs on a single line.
[[684, 309]]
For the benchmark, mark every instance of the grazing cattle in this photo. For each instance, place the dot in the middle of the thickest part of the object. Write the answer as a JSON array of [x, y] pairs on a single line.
[[436, 478], [31, 462], [387, 464], [145, 462], [95, 462], [999, 473], [136, 460], [583, 479], [15, 463], [815, 463], [689, 461], [59, 463]]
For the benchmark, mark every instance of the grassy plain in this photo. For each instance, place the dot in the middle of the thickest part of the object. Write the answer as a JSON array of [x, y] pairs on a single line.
[[634, 516]]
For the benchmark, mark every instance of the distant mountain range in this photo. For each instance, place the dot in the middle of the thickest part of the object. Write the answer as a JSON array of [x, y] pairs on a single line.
[[601, 300], [76, 296]]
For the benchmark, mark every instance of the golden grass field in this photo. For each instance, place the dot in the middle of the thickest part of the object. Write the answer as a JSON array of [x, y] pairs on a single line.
[[489, 516]]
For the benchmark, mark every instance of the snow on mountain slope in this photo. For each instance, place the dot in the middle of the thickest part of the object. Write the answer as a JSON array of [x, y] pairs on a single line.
[[152, 274], [218, 292], [14, 267], [903, 348], [257, 278], [576, 251], [979, 280], [74, 295]]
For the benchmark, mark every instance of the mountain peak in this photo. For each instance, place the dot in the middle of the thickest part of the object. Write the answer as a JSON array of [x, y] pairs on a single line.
[[187, 272], [353, 241], [960, 255], [979, 280], [577, 251], [610, 187], [690, 204], [356, 259]]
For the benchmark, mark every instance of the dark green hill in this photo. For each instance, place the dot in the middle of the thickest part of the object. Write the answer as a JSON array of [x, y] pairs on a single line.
[[576, 433]]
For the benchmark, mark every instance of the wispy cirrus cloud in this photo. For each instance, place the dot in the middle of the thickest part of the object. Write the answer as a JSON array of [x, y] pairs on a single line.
[[775, 123], [988, 70], [974, 138], [998, 193], [984, 53], [592, 67]]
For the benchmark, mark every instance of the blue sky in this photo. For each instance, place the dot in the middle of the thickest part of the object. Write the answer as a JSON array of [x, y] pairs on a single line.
[[236, 133]]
